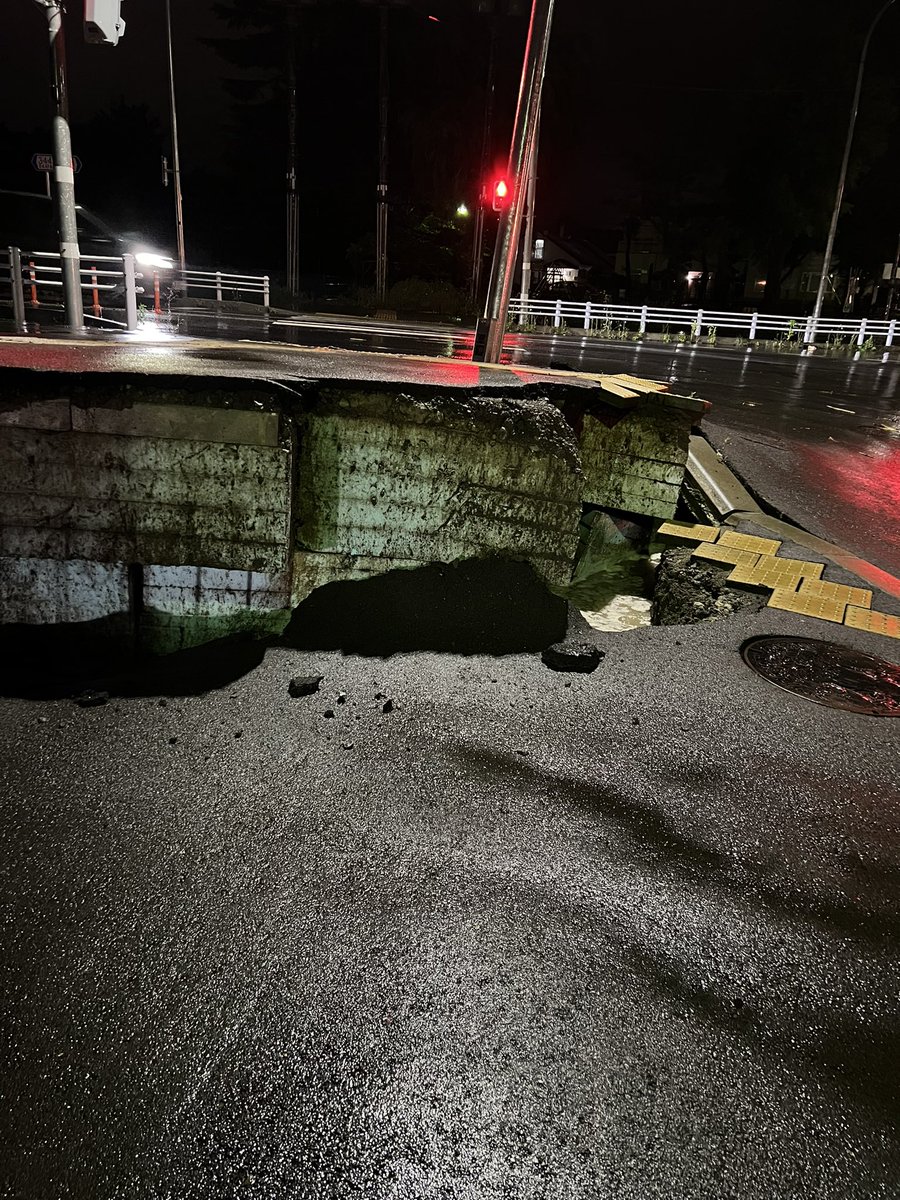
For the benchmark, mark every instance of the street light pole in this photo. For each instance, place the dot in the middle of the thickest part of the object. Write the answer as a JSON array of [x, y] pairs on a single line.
[[839, 197], [63, 171], [489, 331], [176, 162], [381, 225]]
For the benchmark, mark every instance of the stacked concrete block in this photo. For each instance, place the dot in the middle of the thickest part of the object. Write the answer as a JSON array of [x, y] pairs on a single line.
[[401, 480]]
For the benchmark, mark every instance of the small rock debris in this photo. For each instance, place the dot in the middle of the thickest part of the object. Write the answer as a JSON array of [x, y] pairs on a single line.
[[304, 685], [570, 655], [388, 706], [329, 712]]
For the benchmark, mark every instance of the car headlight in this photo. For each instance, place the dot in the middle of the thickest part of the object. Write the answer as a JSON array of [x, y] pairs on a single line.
[[154, 260]]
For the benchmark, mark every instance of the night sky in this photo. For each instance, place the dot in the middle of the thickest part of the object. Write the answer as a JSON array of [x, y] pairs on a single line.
[[679, 109]]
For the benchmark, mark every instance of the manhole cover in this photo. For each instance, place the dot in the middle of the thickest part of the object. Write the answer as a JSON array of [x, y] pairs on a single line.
[[827, 673]]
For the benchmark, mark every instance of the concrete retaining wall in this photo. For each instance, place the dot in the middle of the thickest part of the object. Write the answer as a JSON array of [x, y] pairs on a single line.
[[172, 515], [407, 480], [180, 513]]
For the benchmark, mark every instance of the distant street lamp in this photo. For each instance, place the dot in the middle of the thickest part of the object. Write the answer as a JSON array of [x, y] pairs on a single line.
[[462, 210], [838, 200]]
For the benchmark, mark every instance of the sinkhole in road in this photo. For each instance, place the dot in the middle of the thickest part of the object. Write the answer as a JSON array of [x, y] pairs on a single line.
[[827, 673], [615, 570]]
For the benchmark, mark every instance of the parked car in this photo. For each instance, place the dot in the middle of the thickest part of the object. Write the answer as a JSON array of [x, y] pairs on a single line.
[[28, 220]]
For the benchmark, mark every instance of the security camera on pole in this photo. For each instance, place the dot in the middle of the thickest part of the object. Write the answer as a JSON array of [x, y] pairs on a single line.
[[102, 23]]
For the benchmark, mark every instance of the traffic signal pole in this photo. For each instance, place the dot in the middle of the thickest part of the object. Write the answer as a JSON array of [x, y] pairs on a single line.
[[489, 331], [63, 170]]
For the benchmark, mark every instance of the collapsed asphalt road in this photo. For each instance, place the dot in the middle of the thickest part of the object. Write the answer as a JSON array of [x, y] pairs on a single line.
[[630, 934]]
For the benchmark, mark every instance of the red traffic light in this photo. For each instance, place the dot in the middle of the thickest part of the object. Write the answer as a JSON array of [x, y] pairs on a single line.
[[499, 195]]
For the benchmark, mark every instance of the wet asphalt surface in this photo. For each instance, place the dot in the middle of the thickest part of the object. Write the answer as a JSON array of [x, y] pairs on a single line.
[[630, 934], [627, 935]]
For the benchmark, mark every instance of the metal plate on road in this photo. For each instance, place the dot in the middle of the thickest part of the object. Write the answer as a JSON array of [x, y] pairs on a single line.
[[827, 673]]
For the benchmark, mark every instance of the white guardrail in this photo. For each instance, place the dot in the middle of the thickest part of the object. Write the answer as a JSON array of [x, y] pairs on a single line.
[[616, 320], [34, 280]]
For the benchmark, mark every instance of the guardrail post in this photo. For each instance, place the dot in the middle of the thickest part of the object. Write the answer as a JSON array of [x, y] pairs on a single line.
[[862, 332], [130, 293], [35, 303], [557, 315], [265, 291], [587, 315], [219, 286], [157, 308], [15, 283], [754, 319], [95, 294], [889, 341], [699, 325], [642, 328]]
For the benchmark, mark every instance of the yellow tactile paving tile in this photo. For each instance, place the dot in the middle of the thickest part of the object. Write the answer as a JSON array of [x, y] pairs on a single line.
[[747, 541], [872, 621], [824, 607], [861, 597], [771, 572], [724, 554], [689, 532]]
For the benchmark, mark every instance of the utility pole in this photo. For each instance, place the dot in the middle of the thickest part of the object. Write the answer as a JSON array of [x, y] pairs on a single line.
[[293, 200], [478, 237], [176, 162], [889, 306], [528, 244], [842, 179], [489, 331], [63, 172], [381, 214]]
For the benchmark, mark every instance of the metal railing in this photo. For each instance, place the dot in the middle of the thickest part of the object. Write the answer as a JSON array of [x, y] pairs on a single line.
[[29, 274], [617, 319], [224, 285]]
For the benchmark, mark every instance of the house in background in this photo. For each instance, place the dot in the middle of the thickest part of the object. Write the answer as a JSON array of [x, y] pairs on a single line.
[[573, 265]]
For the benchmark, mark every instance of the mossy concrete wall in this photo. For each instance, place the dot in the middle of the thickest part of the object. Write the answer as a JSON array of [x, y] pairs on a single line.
[[176, 514], [406, 479], [634, 459], [203, 514], [182, 510]]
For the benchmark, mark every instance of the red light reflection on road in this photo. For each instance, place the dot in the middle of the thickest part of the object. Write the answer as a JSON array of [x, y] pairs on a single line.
[[869, 482]]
